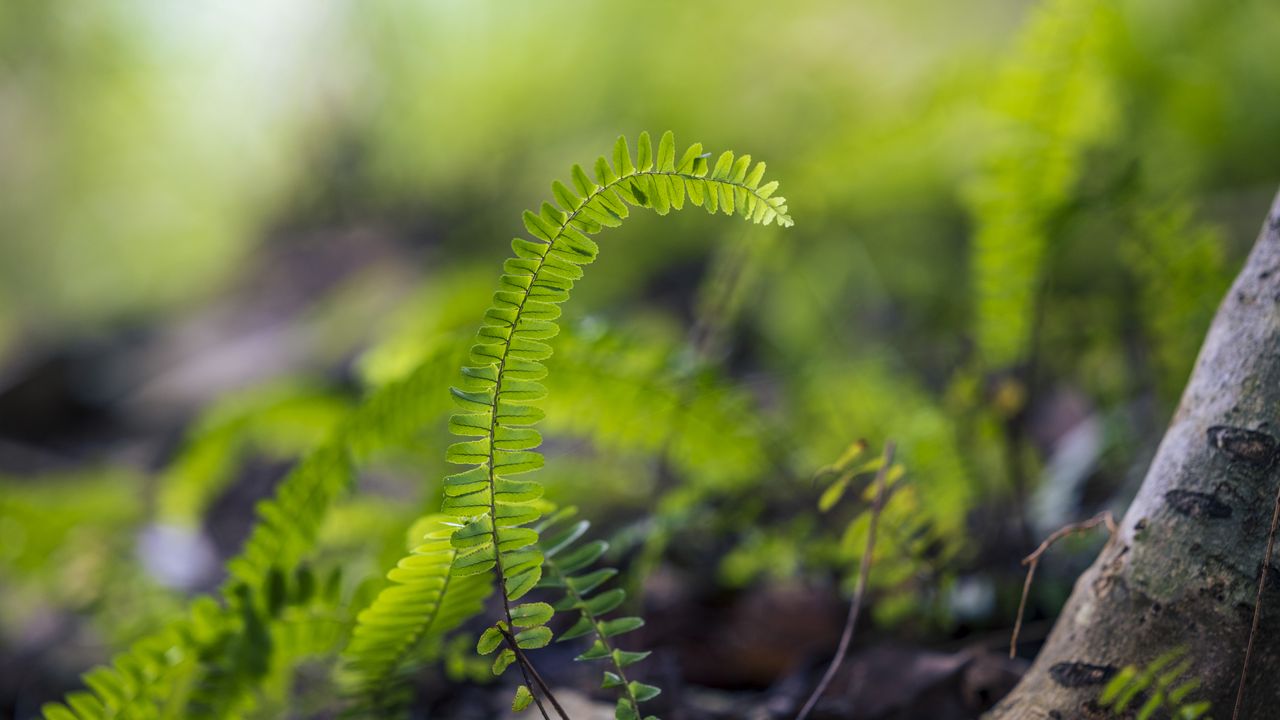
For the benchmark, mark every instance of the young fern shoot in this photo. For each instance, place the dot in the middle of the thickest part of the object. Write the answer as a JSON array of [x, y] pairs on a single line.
[[567, 566], [500, 388]]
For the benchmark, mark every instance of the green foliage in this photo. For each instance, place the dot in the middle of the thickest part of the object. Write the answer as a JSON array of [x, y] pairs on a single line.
[[139, 682], [282, 420], [1161, 689], [423, 603], [498, 398], [288, 523], [708, 436], [501, 387], [921, 535], [629, 394], [247, 667], [1054, 102], [64, 534], [846, 469], [1181, 275], [206, 664], [571, 569]]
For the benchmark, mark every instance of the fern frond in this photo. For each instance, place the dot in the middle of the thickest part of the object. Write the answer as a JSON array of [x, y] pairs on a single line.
[[282, 419], [314, 624], [424, 602], [141, 681], [1054, 103], [569, 568], [288, 522], [625, 392], [1180, 271], [500, 390], [235, 663], [1160, 687], [261, 635]]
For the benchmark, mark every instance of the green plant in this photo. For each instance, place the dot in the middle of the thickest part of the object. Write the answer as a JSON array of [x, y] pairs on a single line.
[[423, 603], [1054, 102], [1160, 689], [567, 566], [498, 398], [219, 660]]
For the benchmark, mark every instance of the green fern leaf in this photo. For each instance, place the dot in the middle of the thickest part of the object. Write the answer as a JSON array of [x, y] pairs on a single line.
[[1161, 686], [1055, 103], [522, 699], [423, 603], [567, 570]]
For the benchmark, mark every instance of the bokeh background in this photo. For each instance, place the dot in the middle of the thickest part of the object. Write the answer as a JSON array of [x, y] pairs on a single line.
[[223, 223]]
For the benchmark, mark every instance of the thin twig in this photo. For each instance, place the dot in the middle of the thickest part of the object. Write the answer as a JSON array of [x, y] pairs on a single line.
[[527, 669], [1032, 561], [859, 590], [1257, 606]]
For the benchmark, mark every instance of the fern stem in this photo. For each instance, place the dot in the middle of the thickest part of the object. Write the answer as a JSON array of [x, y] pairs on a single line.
[[527, 669], [859, 590]]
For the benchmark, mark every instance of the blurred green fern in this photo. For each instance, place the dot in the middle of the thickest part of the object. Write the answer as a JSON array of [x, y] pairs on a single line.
[[1053, 102], [423, 603], [1160, 689]]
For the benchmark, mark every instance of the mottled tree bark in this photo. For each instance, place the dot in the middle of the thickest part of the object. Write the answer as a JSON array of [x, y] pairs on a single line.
[[1183, 569]]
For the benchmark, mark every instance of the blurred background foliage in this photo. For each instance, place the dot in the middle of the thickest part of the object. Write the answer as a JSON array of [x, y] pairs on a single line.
[[222, 224]]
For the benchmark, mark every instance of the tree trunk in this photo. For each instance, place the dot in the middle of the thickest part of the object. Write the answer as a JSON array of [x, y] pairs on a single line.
[[1183, 569]]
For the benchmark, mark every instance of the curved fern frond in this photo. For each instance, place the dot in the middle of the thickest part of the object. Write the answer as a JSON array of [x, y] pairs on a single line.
[[500, 390], [569, 568], [423, 602]]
